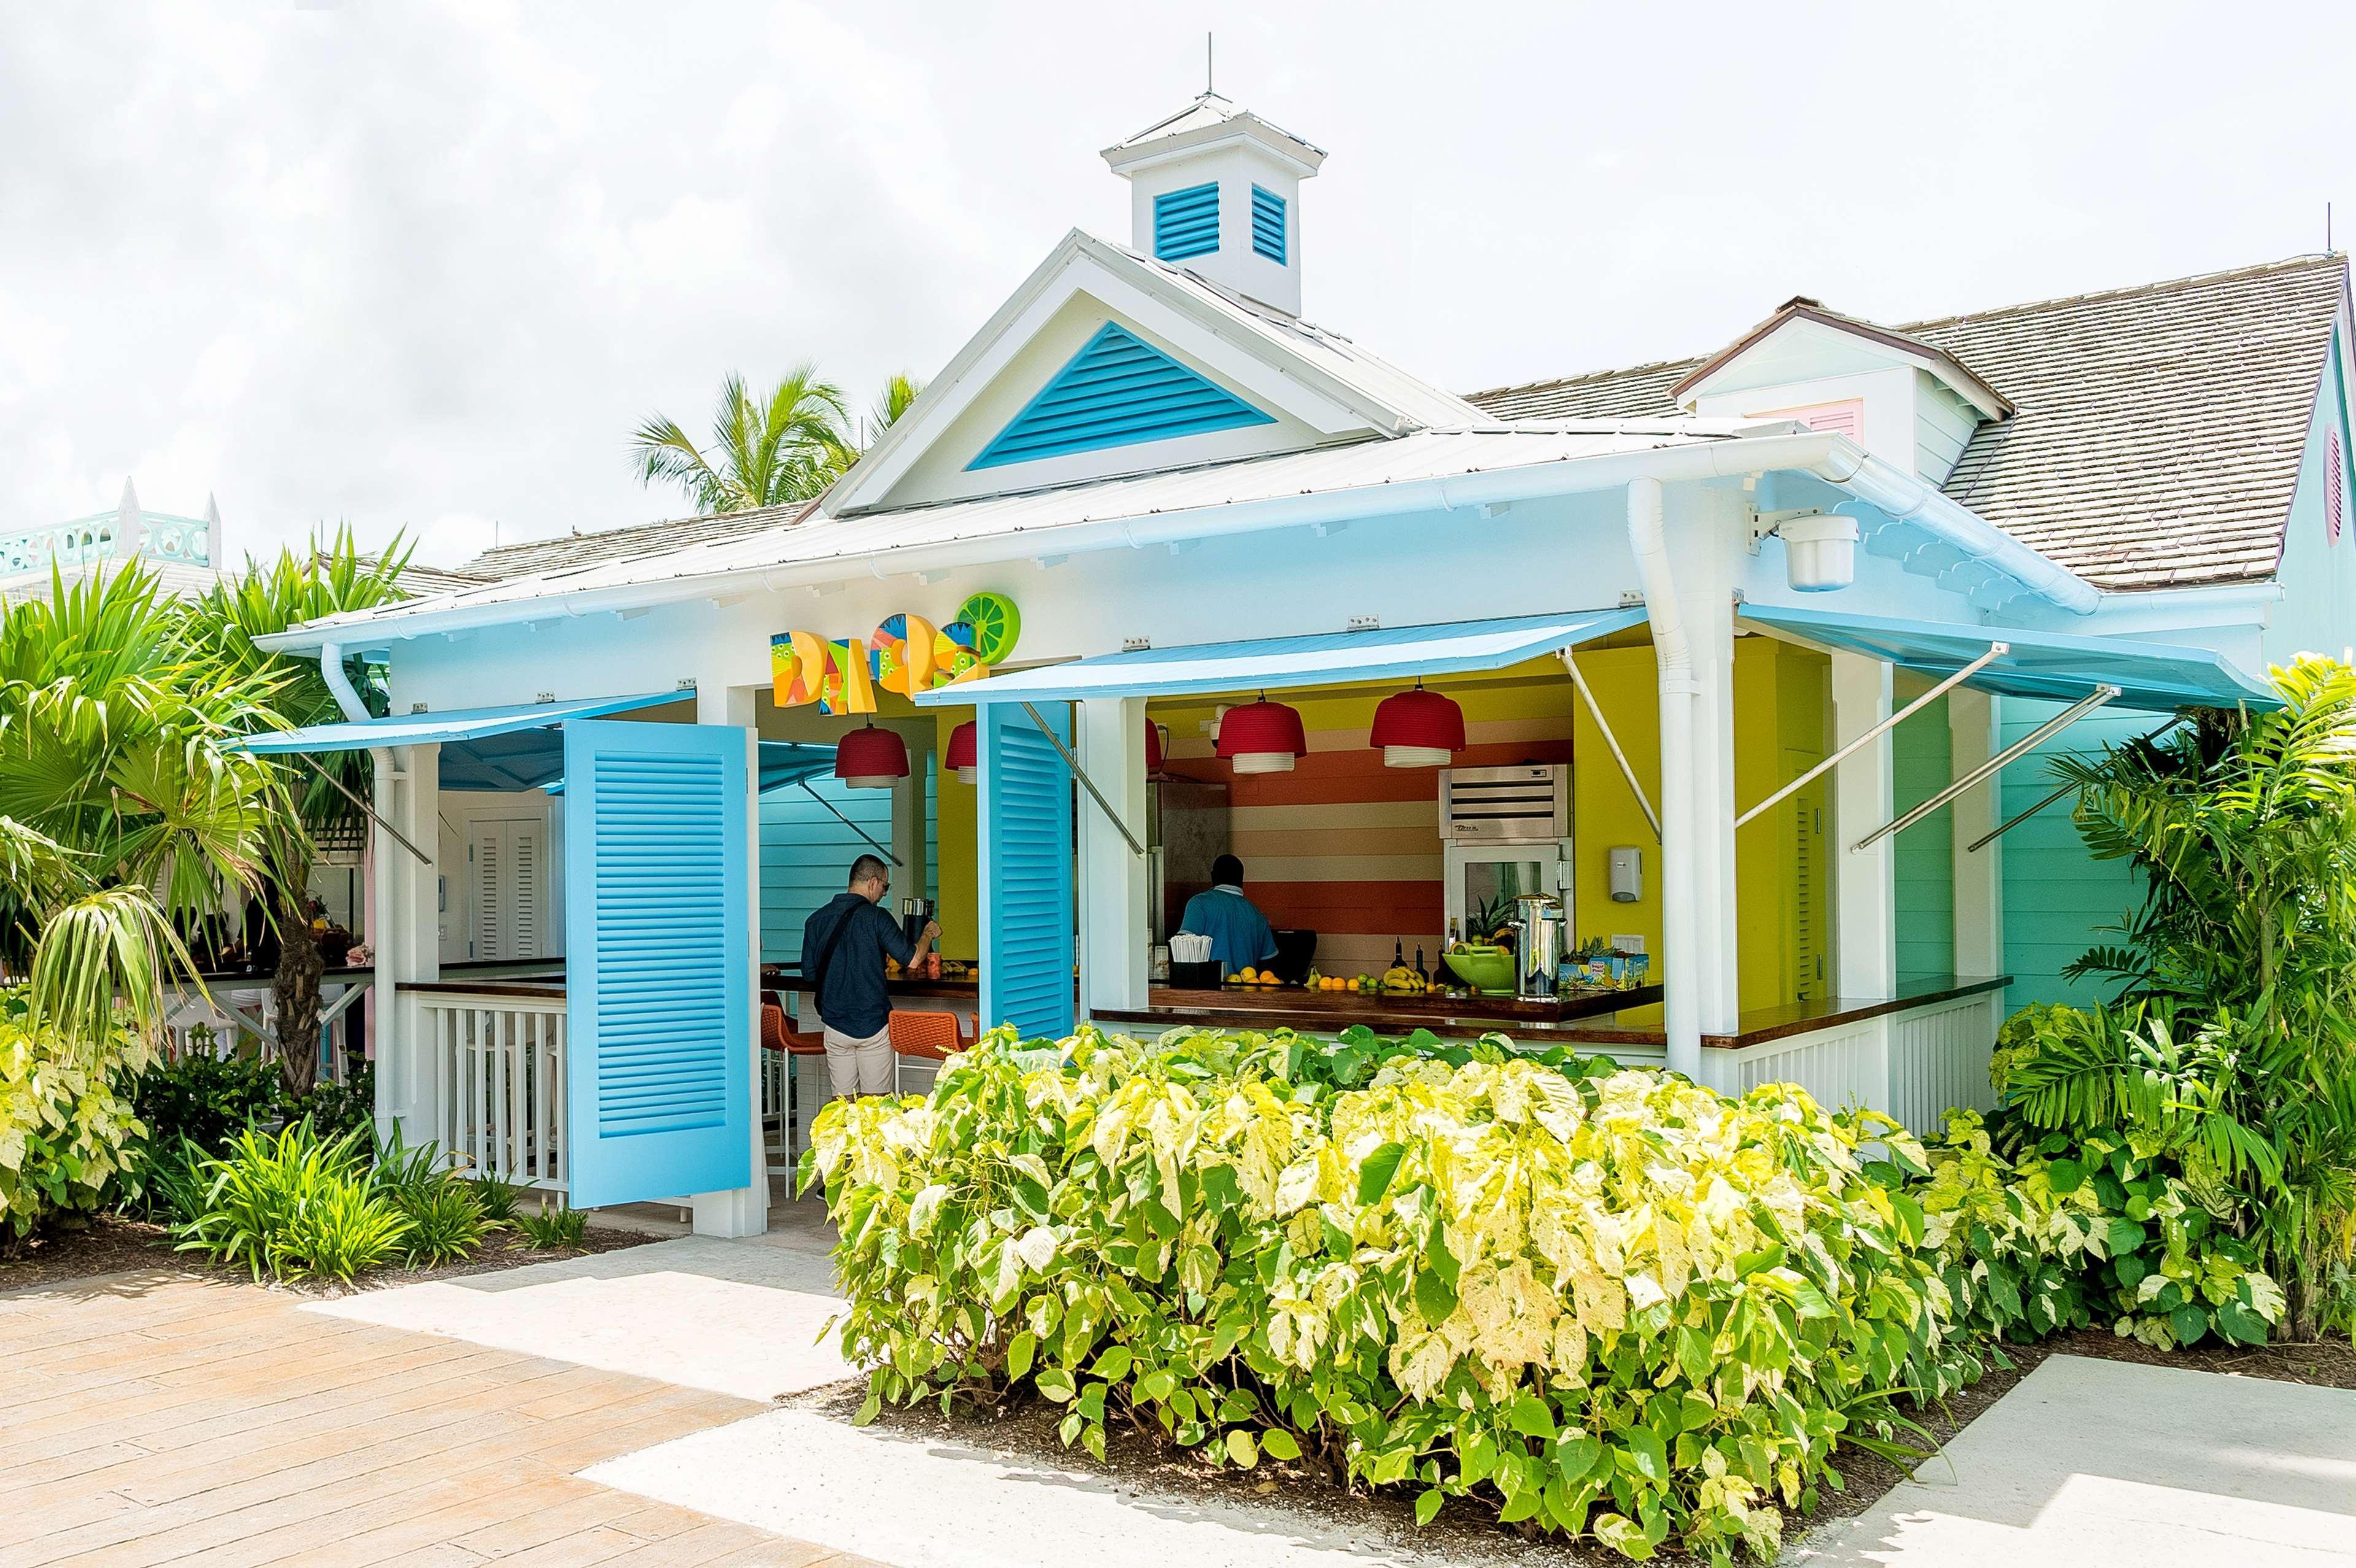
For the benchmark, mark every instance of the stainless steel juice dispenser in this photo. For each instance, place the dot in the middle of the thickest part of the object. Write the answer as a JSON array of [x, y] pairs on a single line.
[[1538, 944]]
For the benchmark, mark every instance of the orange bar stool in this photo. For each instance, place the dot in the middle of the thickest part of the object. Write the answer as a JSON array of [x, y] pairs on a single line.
[[927, 1039], [794, 1080]]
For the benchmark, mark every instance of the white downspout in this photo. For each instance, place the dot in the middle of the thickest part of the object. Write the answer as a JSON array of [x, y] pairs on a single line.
[[386, 1011], [1672, 651]]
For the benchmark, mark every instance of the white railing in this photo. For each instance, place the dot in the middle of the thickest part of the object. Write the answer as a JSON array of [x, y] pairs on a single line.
[[1915, 1063], [499, 1075]]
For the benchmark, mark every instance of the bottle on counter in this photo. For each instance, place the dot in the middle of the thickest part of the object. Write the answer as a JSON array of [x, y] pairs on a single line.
[[1421, 973], [1398, 953]]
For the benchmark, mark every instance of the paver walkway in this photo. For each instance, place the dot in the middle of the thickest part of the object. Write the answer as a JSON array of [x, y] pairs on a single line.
[[160, 1418], [2091, 1464]]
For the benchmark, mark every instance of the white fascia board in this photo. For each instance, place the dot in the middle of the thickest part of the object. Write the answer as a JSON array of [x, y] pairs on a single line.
[[1083, 264], [1834, 458]]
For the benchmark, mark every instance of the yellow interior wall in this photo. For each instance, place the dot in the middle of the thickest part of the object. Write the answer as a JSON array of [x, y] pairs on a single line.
[[955, 852]]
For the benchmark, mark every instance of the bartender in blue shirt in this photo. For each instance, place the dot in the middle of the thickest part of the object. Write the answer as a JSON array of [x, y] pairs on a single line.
[[1239, 935]]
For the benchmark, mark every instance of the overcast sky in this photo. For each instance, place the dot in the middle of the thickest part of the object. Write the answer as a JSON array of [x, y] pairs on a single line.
[[424, 268]]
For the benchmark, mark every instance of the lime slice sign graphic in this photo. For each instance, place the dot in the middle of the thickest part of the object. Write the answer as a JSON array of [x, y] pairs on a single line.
[[996, 624]]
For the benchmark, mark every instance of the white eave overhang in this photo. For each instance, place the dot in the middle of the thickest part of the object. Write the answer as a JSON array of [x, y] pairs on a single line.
[[873, 546]]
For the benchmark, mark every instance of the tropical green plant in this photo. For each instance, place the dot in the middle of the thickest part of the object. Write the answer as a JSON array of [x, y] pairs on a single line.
[[324, 791], [340, 1107], [2231, 1049], [497, 1199], [786, 444], [121, 812], [205, 1099], [2080, 1233], [446, 1221], [551, 1227], [65, 1124], [291, 1205], [1588, 1300]]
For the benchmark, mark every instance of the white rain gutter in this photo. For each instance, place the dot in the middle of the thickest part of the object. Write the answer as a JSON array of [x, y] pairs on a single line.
[[1836, 459], [1673, 649]]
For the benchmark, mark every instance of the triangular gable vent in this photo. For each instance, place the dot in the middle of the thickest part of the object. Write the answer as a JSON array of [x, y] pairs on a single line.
[[1116, 391]]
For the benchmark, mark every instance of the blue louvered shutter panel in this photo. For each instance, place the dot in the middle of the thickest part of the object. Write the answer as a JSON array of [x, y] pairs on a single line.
[[1117, 390], [1025, 810], [659, 982], [1267, 224], [1186, 222]]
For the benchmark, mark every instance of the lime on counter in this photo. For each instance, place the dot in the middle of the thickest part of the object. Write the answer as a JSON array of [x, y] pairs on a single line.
[[996, 624]]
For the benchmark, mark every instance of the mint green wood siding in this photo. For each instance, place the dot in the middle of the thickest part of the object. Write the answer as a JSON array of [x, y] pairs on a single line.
[[2056, 896], [806, 854], [1920, 754]]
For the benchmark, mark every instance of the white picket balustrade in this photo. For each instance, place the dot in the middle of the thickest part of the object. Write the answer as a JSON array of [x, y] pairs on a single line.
[[499, 1067]]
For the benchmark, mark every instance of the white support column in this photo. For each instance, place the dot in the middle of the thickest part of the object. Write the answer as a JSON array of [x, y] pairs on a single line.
[[408, 939], [1865, 882], [744, 1211], [1115, 934], [1685, 542], [1975, 727]]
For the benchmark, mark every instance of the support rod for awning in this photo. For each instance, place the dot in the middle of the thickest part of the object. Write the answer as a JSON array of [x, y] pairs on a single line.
[[1089, 784], [1996, 651], [1579, 684], [855, 827], [1990, 768], [304, 758], [2015, 820]]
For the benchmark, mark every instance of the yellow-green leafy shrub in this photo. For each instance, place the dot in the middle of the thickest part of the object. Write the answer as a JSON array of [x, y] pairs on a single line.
[[2084, 1232], [1603, 1302], [65, 1118]]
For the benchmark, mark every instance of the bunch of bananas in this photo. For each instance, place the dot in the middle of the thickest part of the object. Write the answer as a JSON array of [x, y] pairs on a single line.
[[1400, 981]]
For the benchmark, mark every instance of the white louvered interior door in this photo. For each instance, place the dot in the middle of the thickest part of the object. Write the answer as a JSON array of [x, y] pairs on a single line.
[[510, 869]]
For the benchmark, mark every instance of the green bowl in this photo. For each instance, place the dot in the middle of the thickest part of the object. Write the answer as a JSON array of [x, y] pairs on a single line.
[[1483, 968]]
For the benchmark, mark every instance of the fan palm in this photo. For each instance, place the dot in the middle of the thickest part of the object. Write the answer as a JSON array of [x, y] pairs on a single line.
[[322, 792]]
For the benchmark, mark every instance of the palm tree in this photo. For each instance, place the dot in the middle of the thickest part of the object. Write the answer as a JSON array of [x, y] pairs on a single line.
[[786, 446], [122, 811], [323, 791]]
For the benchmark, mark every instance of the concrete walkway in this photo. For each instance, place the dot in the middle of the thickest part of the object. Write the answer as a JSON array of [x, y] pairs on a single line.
[[2095, 1464]]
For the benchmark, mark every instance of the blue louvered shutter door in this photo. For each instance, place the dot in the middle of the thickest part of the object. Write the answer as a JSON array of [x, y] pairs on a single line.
[[659, 982], [1025, 810]]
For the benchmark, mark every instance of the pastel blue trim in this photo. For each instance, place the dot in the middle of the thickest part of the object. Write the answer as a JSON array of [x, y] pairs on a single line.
[[1116, 391], [1025, 872], [1318, 658], [658, 961], [1267, 224], [2045, 666], [1185, 223]]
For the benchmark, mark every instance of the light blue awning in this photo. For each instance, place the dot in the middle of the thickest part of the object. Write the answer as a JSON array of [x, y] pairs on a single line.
[[1325, 659], [2048, 666], [513, 747]]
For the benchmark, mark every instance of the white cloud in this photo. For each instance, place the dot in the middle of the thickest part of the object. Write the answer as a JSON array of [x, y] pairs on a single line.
[[425, 267]]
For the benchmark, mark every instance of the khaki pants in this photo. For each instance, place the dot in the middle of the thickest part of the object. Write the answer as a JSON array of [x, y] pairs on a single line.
[[859, 1066]]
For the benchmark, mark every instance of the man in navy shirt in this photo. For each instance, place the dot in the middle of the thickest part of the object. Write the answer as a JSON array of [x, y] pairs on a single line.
[[843, 946], [1238, 931]]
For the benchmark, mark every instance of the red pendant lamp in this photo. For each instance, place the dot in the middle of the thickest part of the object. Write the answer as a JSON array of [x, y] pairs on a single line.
[[872, 759], [1262, 738], [1418, 729], [1152, 747], [965, 753]]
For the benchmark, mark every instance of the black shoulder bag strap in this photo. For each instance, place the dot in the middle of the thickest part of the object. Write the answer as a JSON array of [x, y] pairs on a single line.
[[826, 958]]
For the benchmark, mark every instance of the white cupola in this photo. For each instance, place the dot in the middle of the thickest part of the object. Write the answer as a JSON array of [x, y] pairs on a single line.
[[1217, 190]]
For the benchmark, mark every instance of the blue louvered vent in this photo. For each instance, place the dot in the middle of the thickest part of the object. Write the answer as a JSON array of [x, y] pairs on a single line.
[[1267, 224], [1026, 803], [1186, 222], [1114, 392], [658, 959]]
